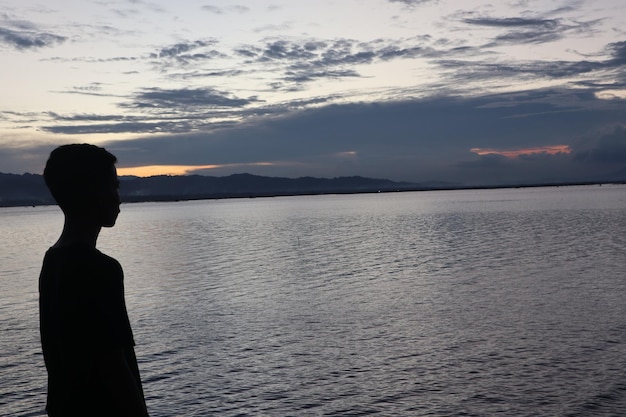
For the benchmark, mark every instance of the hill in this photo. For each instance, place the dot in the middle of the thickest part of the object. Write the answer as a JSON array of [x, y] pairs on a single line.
[[30, 189]]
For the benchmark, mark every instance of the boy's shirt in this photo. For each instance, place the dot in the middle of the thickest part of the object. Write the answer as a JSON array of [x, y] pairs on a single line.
[[82, 314]]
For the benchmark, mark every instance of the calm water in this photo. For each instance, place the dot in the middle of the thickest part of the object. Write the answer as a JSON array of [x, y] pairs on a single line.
[[461, 303]]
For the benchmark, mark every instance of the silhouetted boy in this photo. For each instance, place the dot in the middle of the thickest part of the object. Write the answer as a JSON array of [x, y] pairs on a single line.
[[85, 333]]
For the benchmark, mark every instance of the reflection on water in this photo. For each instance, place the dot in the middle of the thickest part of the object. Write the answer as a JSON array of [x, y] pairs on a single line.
[[437, 303]]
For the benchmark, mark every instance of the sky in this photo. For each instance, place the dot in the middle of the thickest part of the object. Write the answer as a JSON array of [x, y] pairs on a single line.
[[450, 91]]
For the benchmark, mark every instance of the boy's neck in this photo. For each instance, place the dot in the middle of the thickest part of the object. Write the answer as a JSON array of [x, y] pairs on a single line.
[[78, 230]]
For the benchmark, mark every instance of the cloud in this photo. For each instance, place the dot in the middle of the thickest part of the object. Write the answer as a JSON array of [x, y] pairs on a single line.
[[273, 28], [418, 140], [618, 51], [513, 22], [237, 8], [183, 53], [305, 76], [282, 49], [185, 99], [91, 60], [531, 30], [412, 3], [479, 70], [29, 39], [413, 140], [337, 52], [93, 89], [517, 153], [182, 48], [305, 60], [572, 5], [294, 63], [120, 127], [608, 149], [213, 9], [166, 58], [84, 117], [158, 110], [529, 169], [208, 74]]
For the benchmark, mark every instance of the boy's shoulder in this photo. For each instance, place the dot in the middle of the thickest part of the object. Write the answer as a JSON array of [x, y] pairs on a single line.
[[80, 257]]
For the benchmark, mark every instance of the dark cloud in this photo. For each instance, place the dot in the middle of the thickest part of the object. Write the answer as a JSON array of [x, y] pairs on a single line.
[[570, 6], [29, 39], [527, 169], [163, 111], [182, 48], [101, 124], [392, 52], [531, 30], [208, 74], [121, 127], [93, 89], [248, 51], [185, 100], [166, 58], [297, 62], [513, 22], [477, 70], [83, 117], [608, 149], [618, 52], [282, 50], [527, 37], [318, 53], [307, 60], [91, 60], [306, 76], [184, 53], [417, 140]]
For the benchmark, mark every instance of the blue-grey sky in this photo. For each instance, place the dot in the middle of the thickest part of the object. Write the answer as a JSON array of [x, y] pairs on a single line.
[[473, 91]]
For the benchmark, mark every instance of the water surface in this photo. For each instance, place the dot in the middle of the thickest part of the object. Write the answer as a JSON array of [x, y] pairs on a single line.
[[449, 303]]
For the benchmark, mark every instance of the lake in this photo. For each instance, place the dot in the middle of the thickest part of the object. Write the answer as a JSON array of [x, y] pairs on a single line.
[[444, 303]]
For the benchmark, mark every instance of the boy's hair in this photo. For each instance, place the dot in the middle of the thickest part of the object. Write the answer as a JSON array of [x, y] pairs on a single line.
[[74, 173]]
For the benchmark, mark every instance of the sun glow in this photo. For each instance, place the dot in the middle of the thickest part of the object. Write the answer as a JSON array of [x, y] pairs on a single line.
[[550, 150], [152, 170]]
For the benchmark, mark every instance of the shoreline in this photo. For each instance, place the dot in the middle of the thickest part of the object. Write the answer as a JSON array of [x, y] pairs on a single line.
[[265, 194]]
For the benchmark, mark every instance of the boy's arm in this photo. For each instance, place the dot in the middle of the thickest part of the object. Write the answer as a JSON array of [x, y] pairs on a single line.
[[119, 380]]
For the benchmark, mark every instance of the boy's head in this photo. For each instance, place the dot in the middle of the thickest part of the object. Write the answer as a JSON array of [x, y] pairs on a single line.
[[83, 181]]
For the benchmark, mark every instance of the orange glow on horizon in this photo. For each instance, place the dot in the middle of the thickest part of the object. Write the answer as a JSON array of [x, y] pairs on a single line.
[[152, 170], [550, 150]]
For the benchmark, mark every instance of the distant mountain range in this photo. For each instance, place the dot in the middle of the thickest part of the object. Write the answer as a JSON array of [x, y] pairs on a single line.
[[30, 189]]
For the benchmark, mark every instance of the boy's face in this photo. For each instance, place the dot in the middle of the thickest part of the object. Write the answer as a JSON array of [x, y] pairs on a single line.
[[109, 200]]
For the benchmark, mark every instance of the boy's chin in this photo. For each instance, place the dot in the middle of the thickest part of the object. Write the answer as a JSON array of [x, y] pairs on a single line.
[[109, 222]]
